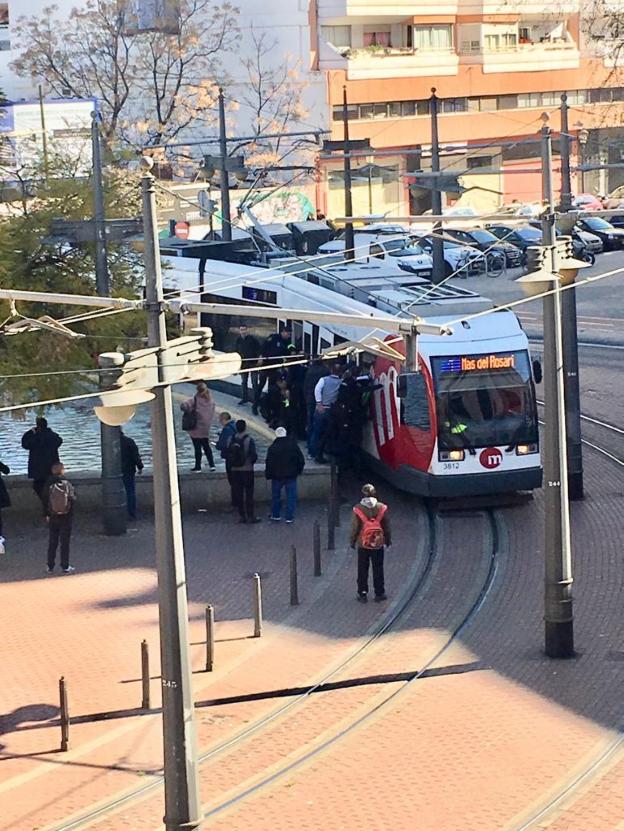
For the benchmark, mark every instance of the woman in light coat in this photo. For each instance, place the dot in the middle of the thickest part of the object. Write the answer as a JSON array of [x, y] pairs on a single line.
[[204, 407]]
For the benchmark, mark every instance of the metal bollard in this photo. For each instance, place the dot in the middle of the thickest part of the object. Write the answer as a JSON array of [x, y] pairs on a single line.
[[145, 676], [64, 714], [209, 638], [294, 587], [257, 606], [331, 529], [316, 540], [333, 490]]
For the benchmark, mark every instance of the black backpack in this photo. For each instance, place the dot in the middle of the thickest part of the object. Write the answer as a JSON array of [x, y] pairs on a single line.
[[236, 452]]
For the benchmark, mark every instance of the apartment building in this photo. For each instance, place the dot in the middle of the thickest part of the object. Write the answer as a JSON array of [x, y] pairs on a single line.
[[496, 66]]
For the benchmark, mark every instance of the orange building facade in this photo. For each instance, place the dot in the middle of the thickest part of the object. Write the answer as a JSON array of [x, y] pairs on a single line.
[[496, 68]]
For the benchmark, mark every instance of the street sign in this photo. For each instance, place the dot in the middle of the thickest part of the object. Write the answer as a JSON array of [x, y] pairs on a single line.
[[182, 230], [207, 206]]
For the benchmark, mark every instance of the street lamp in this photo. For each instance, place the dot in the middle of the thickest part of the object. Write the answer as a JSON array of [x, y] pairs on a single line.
[[582, 138]]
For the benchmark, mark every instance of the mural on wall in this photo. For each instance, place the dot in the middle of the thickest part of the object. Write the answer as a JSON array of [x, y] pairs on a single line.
[[282, 207]]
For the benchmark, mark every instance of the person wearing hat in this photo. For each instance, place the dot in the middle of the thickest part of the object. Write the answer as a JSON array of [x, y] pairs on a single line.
[[370, 532], [284, 463]]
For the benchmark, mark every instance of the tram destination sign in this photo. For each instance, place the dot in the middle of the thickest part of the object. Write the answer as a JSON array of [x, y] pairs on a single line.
[[478, 363]]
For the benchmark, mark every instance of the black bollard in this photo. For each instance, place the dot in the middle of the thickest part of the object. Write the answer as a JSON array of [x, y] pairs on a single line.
[[64, 714], [210, 645], [257, 606], [145, 676], [294, 586], [316, 539]]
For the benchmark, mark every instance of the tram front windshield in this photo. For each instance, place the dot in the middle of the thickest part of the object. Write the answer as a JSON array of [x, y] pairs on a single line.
[[484, 400]]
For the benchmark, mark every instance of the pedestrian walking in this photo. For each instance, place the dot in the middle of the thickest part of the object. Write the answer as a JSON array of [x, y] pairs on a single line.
[[60, 497], [5, 501], [248, 348], [42, 444], [227, 433], [284, 463], [131, 464], [325, 394], [242, 456], [197, 420], [370, 532]]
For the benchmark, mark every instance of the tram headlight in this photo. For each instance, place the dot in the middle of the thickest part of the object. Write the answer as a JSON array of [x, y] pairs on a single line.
[[525, 449], [451, 455]]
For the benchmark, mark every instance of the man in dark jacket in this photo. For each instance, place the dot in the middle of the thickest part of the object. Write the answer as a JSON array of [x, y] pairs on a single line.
[[131, 464], [274, 348], [370, 531], [59, 499], [227, 433], [284, 462], [42, 444], [248, 348], [242, 456]]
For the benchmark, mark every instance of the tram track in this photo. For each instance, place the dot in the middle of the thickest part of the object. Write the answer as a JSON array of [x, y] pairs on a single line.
[[387, 700], [387, 625], [605, 432]]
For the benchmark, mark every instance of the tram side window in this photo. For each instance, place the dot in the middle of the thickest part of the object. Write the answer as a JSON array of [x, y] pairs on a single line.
[[414, 401]]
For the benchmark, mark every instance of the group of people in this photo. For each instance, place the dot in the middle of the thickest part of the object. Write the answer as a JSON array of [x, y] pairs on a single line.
[[327, 406]]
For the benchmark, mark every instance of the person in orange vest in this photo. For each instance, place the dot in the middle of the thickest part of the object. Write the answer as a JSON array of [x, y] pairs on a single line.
[[370, 532]]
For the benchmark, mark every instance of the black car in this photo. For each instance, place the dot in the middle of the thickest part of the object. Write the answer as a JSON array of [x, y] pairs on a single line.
[[611, 237], [485, 240], [521, 236], [580, 248]]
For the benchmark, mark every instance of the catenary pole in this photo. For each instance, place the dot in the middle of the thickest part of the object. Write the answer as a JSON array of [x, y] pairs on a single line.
[[348, 194], [114, 517], [226, 228], [570, 335], [558, 616], [436, 194], [182, 806]]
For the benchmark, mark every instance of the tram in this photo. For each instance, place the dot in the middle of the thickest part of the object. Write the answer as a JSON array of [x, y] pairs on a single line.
[[465, 423]]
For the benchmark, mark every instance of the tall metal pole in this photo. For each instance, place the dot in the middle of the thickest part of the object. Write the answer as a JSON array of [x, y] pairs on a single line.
[[436, 194], [114, 515], [348, 196], [44, 134], [558, 616], [182, 805], [570, 335], [226, 228]]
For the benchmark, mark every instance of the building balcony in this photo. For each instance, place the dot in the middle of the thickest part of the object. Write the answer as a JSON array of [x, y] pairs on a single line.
[[339, 9], [525, 57], [376, 62], [610, 51]]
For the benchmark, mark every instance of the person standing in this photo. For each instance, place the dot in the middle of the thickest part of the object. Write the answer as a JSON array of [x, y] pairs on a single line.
[[228, 430], [248, 348], [5, 501], [314, 373], [60, 497], [276, 346], [325, 394], [42, 444], [370, 532], [284, 463], [131, 464], [242, 456], [200, 409]]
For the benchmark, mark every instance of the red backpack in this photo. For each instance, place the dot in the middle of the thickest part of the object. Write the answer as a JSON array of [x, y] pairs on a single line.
[[371, 536]]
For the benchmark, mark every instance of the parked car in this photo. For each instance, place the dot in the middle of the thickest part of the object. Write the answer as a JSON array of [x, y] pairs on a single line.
[[379, 247], [585, 245], [587, 202], [485, 240], [615, 199], [612, 238], [458, 258], [521, 236]]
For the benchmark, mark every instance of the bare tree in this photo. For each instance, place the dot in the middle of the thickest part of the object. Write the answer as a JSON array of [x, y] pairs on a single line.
[[150, 85]]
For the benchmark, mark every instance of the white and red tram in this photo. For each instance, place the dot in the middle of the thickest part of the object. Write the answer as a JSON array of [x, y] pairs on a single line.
[[465, 423]]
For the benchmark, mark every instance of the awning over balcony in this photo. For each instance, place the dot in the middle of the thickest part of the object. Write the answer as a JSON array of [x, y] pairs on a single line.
[[424, 19]]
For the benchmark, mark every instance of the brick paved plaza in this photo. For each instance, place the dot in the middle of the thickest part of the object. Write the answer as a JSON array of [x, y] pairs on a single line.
[[485, 739]]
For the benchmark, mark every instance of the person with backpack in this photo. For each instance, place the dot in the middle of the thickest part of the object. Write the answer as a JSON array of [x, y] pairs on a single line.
[[197, 416], [284, 463], [42, 444], [370, 532], [227, 433], [242, 456], [60, 497]]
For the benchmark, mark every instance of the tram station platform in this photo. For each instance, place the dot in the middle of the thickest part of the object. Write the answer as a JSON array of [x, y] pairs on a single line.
[[447, 717]]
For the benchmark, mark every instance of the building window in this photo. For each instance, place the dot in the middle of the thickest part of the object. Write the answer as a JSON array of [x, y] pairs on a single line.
[[352, 112], [488, 104], [338, 36], [373, 110], [499, 42], [376, 38], [529, 99], [480, 161], [454, 105], [433, 38], [5, 44], [507, 102]]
